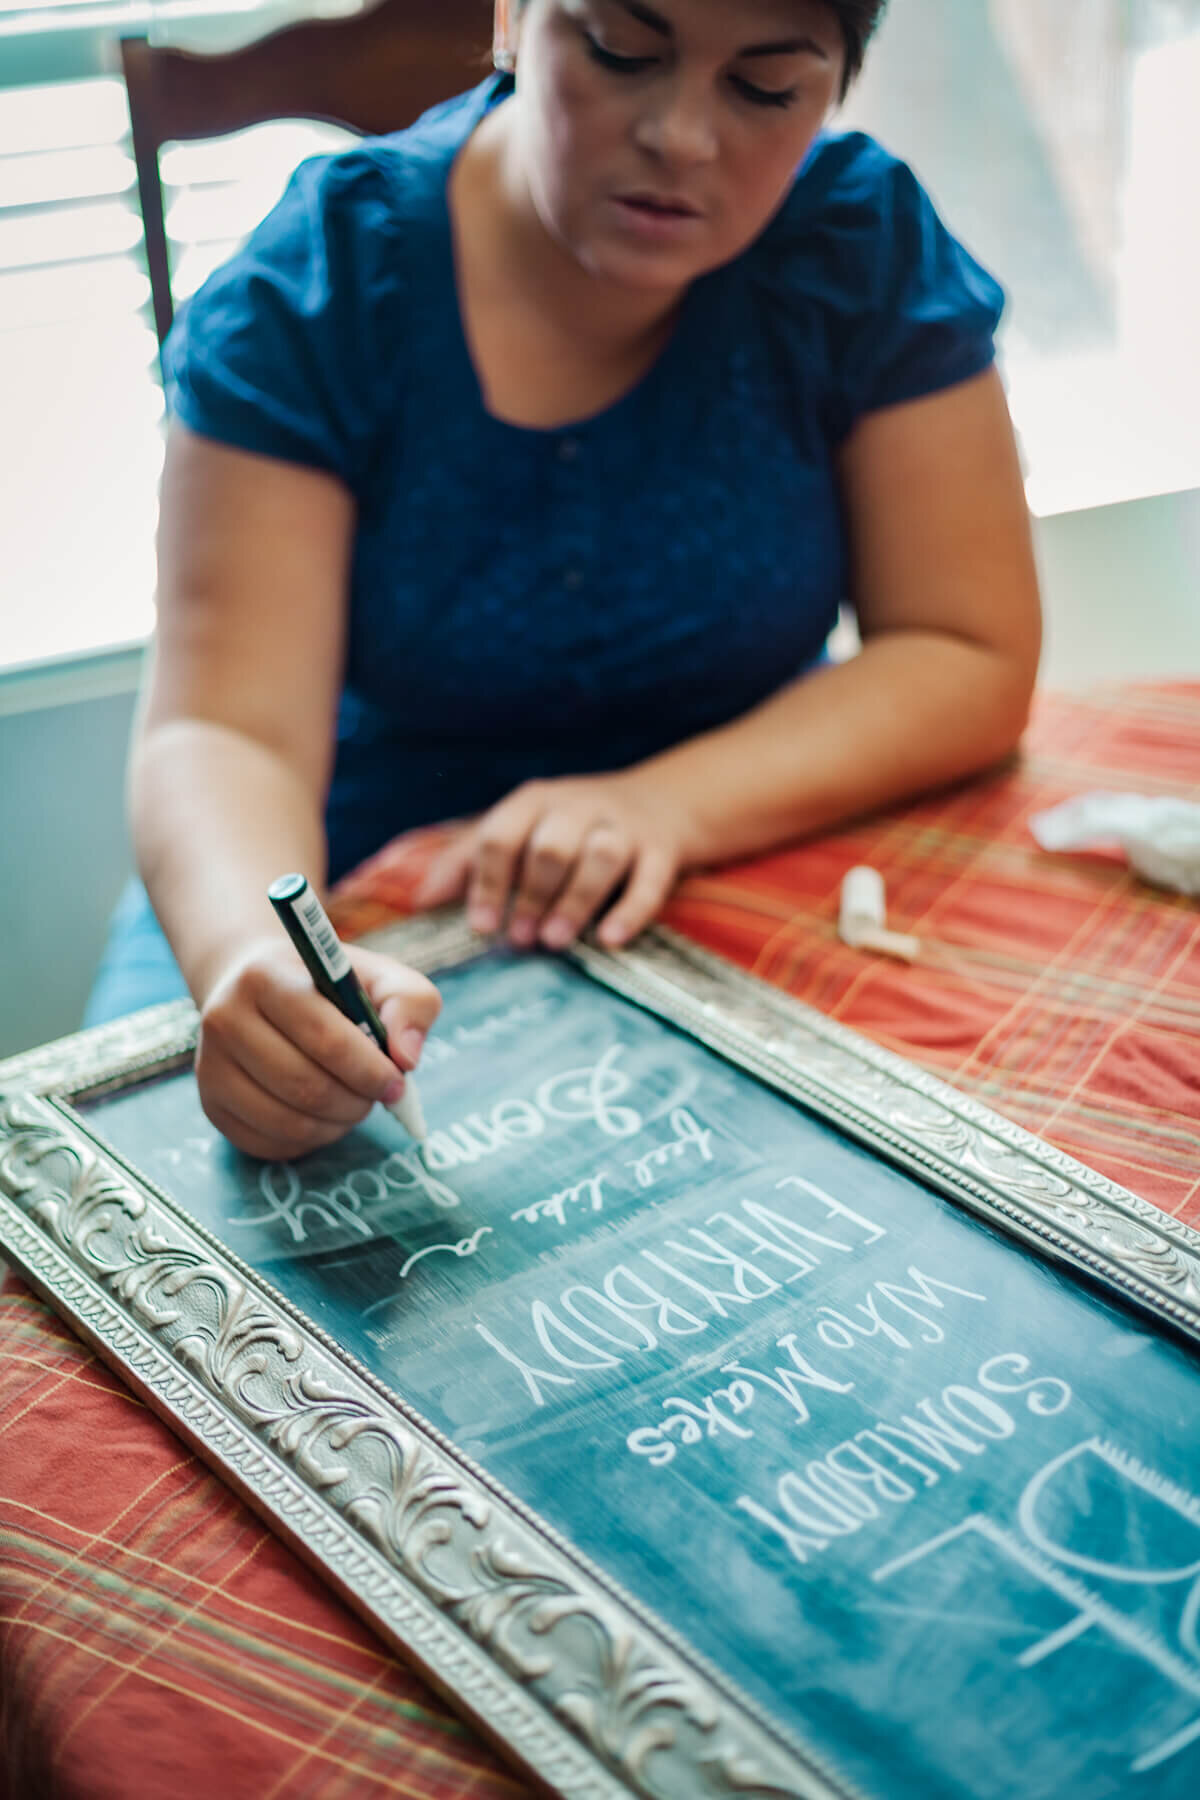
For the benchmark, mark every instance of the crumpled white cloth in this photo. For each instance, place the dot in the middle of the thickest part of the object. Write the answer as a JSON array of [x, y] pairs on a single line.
[[1160, 836]]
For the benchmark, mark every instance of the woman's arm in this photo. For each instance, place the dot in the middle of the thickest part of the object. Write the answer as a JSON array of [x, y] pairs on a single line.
[[945, 588], [233, 744], [944, 585], [231, 760]]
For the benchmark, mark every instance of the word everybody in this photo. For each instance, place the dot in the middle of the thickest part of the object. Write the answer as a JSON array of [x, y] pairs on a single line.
[[735, 1260]]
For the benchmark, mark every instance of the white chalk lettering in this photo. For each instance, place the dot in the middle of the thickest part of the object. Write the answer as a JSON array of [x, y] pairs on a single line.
[[688, 1135], [588, 1193], [649, 1441], [929, 1477], [514, 1120], [1047, 1513], [464, 1247], [842, 1331], [1045, 1395], [848, 1487], [867, 1468], [847, 1331], [837, 1490], [671, 1319], [288, 1203], [469, 1140], [788, 1239], [923, 1290], [750, 1283], [715, 1300], [625, 1314], [574, 1299], [807, 1507], [834, 1209], [801, 1262], [736, 1399], [709, 1413], [786, 1382], [590, 1092], [931, 1435], [986, 1418], [533, 1378], [545, 1321], [404, 1172], [798, 1541]]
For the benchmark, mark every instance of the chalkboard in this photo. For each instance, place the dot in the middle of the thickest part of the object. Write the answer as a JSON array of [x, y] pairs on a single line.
[[926, 1505]]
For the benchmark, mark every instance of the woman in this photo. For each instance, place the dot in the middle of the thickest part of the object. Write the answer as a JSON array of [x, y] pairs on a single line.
[[518, 466]]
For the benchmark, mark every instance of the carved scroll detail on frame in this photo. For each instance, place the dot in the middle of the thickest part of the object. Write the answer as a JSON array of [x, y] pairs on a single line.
[[360, 1485]]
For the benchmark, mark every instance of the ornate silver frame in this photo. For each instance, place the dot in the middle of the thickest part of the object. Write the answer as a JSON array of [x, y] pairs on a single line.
[[569, 1674]]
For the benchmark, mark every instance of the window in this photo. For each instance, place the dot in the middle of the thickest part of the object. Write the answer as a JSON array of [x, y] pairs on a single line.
[[1061, 139], [81, 418]]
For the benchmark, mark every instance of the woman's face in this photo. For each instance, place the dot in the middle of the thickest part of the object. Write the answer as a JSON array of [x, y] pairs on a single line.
[[659, 137]]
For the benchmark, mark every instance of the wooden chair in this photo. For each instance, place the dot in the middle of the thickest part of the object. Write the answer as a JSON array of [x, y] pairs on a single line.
[[374, 72]]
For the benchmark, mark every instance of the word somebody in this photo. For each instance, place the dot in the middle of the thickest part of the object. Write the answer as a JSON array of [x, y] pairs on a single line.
[[888, 1464], [592, 1092], [339, 1207]]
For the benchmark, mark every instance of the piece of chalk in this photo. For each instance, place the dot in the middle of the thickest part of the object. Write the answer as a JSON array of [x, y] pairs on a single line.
[[862, 917], [863, 905], [889, 943]]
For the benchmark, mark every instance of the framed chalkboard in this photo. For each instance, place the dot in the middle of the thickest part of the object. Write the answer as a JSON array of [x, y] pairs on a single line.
[[716, 1408]]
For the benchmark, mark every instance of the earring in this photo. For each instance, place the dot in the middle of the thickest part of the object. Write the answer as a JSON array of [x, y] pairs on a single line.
[[504, 61]]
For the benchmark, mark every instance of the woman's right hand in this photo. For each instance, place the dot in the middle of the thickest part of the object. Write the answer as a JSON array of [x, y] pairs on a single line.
[[281, 1071]]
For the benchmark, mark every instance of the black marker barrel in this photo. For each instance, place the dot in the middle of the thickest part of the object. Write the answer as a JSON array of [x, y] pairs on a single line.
[[307, 924]]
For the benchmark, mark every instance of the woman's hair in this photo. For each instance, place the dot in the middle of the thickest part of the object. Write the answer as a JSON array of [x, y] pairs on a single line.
[[857, 18]]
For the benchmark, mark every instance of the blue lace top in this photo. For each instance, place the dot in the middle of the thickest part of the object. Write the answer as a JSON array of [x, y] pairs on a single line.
[[529, 602]]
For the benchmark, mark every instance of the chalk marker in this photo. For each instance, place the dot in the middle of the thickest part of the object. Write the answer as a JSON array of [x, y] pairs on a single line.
[[862, 917], [307, 924], [863, 905]]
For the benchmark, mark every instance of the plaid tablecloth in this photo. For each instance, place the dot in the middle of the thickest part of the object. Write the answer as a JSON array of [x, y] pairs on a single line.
[[155, 1640]]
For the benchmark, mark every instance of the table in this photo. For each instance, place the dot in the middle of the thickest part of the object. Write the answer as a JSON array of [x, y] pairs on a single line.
[[155, 1638]]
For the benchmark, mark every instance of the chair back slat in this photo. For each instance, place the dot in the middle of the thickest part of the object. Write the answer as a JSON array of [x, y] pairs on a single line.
[[373, 73]]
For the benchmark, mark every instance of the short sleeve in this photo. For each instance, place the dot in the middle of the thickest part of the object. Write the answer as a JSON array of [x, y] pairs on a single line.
[[283, 350], [877, 290]]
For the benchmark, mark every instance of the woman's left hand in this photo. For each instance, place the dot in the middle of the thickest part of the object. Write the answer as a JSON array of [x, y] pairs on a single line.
[[554, 855]]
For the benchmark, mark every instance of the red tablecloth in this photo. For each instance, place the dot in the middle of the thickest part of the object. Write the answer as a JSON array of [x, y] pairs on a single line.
[[155, 1639]]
